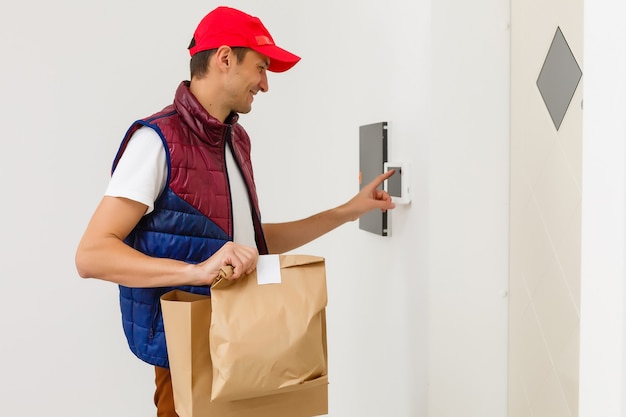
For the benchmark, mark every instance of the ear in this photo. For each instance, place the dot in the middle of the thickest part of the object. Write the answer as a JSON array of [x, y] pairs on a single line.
[[224, 58]]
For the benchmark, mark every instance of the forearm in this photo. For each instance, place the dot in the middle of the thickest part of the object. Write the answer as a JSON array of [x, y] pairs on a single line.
[[283, 237], [112, 260]]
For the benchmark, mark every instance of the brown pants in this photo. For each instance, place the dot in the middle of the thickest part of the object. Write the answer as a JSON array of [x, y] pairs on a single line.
[[163, 395]]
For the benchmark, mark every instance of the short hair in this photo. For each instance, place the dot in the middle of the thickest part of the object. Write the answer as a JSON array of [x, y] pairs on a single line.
[[199, 63]]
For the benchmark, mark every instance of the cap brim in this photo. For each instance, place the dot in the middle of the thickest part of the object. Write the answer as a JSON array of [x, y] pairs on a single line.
[[280, 59]]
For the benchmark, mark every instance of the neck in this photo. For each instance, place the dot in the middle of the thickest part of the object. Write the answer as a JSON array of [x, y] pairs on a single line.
[[207, 97]]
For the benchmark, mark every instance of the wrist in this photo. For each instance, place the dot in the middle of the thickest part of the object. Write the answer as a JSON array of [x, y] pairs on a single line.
[[345, 213], [193, 275]]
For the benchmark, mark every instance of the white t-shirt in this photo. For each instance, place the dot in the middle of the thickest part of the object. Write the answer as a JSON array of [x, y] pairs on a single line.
[[141, 175]]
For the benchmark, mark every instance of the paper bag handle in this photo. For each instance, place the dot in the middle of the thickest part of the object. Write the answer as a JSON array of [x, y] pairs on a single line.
[[222, 281]]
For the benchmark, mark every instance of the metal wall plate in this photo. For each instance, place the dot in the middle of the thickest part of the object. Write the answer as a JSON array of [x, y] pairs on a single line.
[[372, 157]]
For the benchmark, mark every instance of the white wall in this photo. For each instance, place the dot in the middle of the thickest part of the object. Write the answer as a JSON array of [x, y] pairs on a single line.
[[468, 213], [603, 317], [417, 321]]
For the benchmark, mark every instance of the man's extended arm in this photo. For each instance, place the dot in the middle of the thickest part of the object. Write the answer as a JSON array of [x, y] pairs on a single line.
[[283, 237]]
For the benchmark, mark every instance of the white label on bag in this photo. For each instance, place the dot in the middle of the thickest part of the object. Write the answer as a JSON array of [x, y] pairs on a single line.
[[268, 270]]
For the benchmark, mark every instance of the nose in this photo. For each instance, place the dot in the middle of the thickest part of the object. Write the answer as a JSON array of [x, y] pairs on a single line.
[[263, 84]]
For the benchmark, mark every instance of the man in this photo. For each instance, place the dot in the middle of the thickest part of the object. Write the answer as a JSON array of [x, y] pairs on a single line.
[[182, 203]]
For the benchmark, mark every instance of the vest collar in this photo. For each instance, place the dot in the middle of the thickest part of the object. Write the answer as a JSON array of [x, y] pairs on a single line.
[[199, 121]]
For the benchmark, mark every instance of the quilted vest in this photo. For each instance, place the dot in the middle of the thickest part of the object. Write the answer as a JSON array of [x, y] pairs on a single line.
[[192, 218]]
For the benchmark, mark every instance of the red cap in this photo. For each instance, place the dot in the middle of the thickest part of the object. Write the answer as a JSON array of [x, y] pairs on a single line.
[[234, 28]]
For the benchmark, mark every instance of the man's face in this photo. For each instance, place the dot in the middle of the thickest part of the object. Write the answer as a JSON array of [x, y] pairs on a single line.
[[246, 79]]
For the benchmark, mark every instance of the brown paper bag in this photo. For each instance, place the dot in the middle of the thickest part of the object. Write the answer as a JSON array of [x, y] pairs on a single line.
[[187, 320], [267, 337]]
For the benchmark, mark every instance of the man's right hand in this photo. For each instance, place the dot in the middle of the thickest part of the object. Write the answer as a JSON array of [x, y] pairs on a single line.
[[243, 260]]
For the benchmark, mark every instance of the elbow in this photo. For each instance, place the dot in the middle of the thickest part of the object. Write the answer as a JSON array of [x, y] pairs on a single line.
[[83, 274], [82, 265]]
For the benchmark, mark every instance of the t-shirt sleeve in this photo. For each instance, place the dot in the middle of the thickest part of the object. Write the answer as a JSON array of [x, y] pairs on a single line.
[[141, 172]]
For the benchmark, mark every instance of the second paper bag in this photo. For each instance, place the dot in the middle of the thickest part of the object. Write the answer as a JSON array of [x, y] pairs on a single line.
[[284, 318]]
